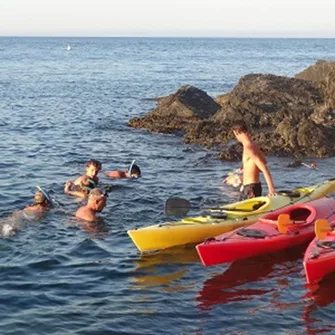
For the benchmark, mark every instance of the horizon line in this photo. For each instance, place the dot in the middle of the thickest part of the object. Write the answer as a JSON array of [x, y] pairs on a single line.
[[164, 36]]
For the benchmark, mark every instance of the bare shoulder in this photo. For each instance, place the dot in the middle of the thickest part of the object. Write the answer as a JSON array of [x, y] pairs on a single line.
[[256, 153], [250, 148], [79, 180], [253, 148]]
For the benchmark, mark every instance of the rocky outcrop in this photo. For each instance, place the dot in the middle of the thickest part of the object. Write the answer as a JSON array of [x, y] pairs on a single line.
[[178, 112], [288, 116], [317, 72], [322, 73]]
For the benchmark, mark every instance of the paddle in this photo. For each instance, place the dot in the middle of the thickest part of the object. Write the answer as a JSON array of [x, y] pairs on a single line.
[[283, 222], [321, 228], [180, 207]]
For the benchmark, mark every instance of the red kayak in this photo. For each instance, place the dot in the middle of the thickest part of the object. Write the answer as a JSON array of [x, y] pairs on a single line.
[[319, 259], [281, 229]]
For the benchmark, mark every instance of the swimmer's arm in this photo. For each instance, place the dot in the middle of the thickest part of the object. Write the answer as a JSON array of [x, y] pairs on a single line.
[[80, 180], [114, 174], [76, 193]]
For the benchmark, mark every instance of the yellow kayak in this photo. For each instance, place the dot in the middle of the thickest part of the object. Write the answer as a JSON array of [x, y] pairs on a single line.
[[191, 230]]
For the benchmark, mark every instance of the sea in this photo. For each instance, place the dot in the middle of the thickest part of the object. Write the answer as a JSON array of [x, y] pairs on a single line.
[[61, 106]]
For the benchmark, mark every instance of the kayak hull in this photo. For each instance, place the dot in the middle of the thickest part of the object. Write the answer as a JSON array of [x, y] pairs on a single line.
[[319, 258], [168, 235], [263, 236], [192, 230]]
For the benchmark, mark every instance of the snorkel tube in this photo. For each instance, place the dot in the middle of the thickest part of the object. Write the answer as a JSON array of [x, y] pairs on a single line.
[[130, 168], [46, 195]]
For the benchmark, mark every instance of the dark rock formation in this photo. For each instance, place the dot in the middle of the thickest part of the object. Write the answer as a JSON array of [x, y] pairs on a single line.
[[322, 73], [178, 112], [317, 72], [288, 116]]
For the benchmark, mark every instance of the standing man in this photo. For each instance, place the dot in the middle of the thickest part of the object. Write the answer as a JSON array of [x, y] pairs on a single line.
[[254, 162]]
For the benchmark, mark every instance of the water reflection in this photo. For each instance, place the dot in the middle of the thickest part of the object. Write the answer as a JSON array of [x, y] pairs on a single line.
[[235, 283], [18, 220], [165, 269], [95, 229], [98, 229], [320, 320]]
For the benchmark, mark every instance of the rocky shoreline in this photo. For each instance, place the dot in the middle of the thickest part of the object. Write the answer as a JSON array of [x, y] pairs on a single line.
[[288, 116]]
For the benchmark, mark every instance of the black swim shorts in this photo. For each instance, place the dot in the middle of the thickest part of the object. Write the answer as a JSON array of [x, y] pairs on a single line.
[[251, 191]]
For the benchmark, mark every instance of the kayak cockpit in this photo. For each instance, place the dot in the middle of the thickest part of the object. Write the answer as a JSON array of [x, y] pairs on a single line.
[[297, 215]]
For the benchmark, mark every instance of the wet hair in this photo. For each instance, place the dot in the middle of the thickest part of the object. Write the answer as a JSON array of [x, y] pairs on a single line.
[[97, 193], [135, 171], [95, 163], [39, 198], [240, 126], [44, 197]]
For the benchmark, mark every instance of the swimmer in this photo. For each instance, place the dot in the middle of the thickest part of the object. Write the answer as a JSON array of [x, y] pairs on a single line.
[[85, 183], [35, 211], [95, 204], [298, 163], [235, 178], [133, 171]]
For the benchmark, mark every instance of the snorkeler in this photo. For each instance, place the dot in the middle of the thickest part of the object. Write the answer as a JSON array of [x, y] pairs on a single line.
[[42, 202], [133, 171], [85, 183], [95, 204], [14, 222], [298, 163], [235, 178]]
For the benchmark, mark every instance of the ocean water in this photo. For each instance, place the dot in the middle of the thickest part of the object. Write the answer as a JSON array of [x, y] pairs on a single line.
[[60, 108]]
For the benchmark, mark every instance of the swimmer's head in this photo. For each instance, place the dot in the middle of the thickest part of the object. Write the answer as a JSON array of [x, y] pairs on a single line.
[[134, 170], [313, 165], [97, 198], [92, 168], [42, 197]]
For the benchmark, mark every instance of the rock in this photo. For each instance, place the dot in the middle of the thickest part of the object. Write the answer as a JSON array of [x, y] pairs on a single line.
[[317, 72], [287, 116], [315, 140], [273, 106], [264, 100], [322, 73], [178, 111], [231, 154], [324, 115]]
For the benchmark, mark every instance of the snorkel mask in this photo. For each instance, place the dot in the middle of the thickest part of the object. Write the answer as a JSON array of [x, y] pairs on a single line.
[[130, 170], [46, 195], [98, 193]]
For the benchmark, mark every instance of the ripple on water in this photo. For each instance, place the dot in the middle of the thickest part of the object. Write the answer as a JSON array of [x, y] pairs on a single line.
[[60, 276]]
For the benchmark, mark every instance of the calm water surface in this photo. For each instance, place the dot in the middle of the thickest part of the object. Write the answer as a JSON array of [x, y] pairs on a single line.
[[58, 109]]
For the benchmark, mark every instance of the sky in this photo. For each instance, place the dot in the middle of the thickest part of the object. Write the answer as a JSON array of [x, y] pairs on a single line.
[[168, 18]]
